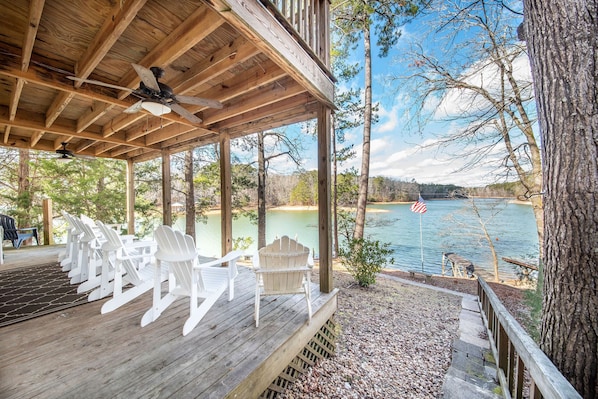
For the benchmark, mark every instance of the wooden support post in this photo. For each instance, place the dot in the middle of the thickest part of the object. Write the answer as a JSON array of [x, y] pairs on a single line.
[[443, 262], [130, 197], [324, 218], [226, 196], [47, 222], [166, 193]]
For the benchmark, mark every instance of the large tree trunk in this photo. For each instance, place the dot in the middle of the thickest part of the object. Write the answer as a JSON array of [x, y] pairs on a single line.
[[563, 49], [261, 192], [362, 199], [190, 197]]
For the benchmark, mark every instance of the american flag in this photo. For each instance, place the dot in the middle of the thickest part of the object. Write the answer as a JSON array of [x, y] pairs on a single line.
[[419, 206]]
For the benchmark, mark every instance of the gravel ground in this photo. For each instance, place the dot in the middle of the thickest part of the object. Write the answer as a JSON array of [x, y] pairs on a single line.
[[394, 342], [511, 294]]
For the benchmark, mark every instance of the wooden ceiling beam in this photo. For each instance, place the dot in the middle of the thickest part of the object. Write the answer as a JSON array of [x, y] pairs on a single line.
[[50, 79], [36, 8], [83, 145], [264, 96], [95, 112], [32, 121], [36, 137], [216, 64], [193, 30], [169, 132], [262, 112], [58, 105], [115, 24], [301, 113], [103, 148]]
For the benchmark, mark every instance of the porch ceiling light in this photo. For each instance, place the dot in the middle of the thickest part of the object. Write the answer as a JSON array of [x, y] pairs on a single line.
[[156, 109], [64, 158]]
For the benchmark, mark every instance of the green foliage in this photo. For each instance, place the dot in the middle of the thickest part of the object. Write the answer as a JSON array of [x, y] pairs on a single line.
[[242, 243], [148, 189], [533, 299], [94, 188], [363, 257], [347, 187], [305, 191]]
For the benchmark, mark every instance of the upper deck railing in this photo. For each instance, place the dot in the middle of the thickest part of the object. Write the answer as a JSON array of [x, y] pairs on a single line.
[[516, 353], [308, 22]]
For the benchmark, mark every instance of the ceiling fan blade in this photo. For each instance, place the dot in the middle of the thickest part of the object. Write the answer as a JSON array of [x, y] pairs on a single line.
[[97, 82], [134, 108], [199, 101], [147, 77], [184, 113]]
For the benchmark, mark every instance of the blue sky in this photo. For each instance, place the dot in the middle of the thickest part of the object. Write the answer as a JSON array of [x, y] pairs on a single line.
[[397, 150]]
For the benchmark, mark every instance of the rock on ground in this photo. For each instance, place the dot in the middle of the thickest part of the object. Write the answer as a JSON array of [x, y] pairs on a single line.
[[394, 342]]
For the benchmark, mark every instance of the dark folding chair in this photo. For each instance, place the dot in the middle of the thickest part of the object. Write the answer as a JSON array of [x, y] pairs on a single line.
[[15, 235]]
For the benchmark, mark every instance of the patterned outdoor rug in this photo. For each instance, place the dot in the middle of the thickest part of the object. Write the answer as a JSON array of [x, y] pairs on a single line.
[[35, 291]]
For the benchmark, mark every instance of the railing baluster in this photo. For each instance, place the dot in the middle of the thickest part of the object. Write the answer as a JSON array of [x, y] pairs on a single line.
[[511, 364], [307, 19], [509, 338], [519, 379]]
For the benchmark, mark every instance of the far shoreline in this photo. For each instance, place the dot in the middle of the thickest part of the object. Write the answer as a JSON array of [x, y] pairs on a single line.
[[301, 208]]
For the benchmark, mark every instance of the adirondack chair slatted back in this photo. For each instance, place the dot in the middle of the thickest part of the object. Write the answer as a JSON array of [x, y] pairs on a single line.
[[179, 252], [10, 229], [113, 242], [283, 255]]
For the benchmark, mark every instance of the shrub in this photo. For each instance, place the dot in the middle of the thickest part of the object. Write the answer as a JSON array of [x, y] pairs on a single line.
[[364, 258]]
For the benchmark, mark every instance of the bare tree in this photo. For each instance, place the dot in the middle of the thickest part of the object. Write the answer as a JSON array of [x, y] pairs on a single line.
[[478, 82], [270, 145], [562, 38], [190, 213]]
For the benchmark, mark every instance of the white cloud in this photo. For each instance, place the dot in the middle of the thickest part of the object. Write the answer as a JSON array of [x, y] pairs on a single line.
[[484, 74], [389, 119]]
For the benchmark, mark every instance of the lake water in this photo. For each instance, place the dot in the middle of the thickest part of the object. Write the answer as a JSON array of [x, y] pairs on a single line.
[[447, 226]]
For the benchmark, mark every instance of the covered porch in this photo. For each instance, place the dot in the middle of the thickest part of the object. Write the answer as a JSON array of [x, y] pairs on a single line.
[[267, 63], [79, 352]]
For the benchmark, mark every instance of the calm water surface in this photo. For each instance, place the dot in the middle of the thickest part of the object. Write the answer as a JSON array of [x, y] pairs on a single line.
[[447, 226]]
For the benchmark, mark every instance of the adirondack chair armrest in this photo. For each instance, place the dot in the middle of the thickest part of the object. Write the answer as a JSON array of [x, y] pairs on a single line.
[[131, 257], [141, 244], [287, 270], [231, 256]]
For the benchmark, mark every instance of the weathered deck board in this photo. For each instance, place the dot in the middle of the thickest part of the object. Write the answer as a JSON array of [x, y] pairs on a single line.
[[81, 353]]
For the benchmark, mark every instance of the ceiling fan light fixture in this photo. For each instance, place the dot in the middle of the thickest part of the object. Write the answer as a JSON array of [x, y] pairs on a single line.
[[156, 109], [64, 158]]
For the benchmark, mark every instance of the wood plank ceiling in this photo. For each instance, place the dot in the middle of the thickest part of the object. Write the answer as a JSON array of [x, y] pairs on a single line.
[[202, 53]]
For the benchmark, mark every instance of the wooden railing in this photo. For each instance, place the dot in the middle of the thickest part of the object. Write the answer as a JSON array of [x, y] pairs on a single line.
[[308, 22], [516, 352]]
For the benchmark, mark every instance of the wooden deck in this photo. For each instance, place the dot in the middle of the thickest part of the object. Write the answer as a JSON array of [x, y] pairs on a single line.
[[79, 353]]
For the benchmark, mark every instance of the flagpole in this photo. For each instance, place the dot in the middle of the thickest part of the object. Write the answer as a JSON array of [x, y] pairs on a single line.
[[421, 241]]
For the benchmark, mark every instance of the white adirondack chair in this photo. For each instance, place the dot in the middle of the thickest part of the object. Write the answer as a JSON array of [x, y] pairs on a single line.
[[282, 267], [100, 279], [71, 254], [126, 271], [187, 278], [87, 257]]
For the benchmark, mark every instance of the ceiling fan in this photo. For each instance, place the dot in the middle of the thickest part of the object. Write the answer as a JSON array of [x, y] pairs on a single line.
[[156, 97], [67, 155]]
